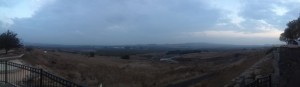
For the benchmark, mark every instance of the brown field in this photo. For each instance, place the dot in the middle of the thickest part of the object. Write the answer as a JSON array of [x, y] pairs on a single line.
[[208, 69]]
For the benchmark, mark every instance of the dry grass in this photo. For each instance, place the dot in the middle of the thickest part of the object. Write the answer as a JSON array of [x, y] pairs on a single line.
[[267, 66], [111, 71], [225, 75], [138, 72]]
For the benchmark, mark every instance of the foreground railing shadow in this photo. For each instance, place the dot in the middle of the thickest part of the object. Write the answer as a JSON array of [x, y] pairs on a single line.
[[19, 75]]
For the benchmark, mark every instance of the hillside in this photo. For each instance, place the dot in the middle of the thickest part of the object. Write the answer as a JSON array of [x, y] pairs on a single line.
[[140, 71]]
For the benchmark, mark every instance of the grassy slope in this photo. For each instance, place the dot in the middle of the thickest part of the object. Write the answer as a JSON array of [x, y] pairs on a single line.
[[115, 72], [224, 76], [111, 71]]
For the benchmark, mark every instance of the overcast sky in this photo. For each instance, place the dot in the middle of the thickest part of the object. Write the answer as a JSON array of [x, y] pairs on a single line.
[[115, 22]]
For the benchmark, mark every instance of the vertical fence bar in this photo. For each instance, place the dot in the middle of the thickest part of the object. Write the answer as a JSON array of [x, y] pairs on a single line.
[[31, 77], [270, 81], [41, 77], [6, 72]]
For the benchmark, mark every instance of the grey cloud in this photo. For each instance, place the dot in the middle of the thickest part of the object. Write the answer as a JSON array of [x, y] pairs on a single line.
[[117, 21], [262, 10], [108, 22]]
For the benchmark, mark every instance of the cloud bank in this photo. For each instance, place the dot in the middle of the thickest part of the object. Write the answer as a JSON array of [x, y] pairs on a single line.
[[18, 9], [112, 22]]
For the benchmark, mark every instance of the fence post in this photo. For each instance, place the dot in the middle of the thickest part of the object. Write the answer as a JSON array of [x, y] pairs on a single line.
[[41, 77], [6, 72], [243, 83], [257, 83], [270, 80]]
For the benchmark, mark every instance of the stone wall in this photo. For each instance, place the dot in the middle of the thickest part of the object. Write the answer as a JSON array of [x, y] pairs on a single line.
[[285, 69], [256, 71]]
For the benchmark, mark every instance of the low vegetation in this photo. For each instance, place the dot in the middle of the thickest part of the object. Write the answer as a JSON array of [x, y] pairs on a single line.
[[142, 71], [183, 52]]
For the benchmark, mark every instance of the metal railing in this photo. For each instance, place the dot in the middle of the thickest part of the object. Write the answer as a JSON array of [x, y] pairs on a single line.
[[18, 75], [261, 82]]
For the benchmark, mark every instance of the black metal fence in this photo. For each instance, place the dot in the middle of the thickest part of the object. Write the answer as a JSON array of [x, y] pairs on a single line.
[[18, 75], [261, 82]]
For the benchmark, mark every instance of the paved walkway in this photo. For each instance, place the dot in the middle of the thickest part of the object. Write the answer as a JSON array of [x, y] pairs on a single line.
[[15, 75], [11, 57]]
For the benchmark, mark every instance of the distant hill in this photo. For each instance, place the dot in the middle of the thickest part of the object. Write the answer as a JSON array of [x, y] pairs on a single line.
[[183, 46], [208, 45]]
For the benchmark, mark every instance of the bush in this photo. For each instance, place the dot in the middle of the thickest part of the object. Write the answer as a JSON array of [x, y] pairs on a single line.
[[92, 54], [125, 57], [181, 52], [29, 49], [270, 50]]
